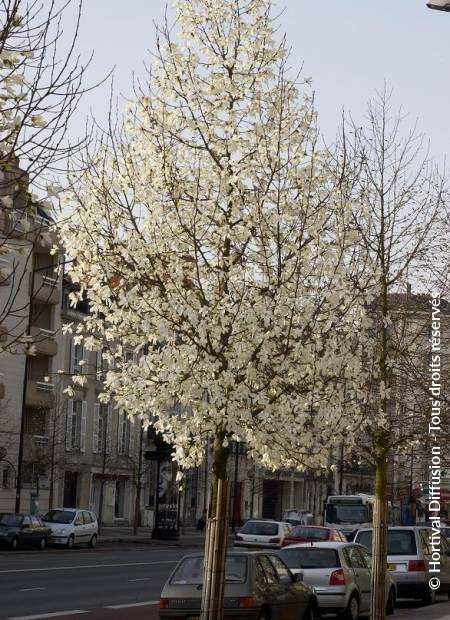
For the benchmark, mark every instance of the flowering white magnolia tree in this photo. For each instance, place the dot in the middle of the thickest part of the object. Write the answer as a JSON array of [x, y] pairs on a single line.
[[212, 238]]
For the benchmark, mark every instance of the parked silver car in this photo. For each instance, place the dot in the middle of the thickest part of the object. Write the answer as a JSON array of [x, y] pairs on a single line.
[[262, 533], [409, 554], [71, 526], [258, 585], [339, 572]]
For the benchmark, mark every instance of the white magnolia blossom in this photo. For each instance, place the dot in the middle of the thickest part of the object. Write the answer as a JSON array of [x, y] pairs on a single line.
[[212, 241]]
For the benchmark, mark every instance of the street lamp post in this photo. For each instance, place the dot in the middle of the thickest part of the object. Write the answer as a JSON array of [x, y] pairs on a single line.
[[24, 387]]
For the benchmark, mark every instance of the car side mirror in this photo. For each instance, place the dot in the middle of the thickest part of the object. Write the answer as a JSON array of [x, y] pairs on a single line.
[[298, 577]]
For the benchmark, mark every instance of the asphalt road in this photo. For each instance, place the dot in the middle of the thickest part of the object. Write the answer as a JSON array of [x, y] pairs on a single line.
[[34, 583], [111, 582]]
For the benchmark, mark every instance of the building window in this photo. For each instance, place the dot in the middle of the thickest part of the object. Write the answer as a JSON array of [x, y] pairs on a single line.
[[77, 356], [102, 365], [125, 435], [36, 421], [76, 425], [101, 441], [6, 478], [32, 471]]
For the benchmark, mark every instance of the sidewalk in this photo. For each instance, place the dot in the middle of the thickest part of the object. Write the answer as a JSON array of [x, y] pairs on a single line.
[[190, 538]]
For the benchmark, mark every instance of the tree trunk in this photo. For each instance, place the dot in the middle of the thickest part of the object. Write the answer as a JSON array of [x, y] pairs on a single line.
[[379, 541], [137, 499], [100, 506], [216, 535]]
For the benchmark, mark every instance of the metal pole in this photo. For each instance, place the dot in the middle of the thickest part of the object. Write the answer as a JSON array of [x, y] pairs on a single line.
[[205, 482], [24, 387], [235, 483], [341, 469], [24, 397], [158, 471]]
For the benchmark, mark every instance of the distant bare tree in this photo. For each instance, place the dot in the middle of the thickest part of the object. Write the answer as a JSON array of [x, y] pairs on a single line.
[[401, 231], [41, 83]]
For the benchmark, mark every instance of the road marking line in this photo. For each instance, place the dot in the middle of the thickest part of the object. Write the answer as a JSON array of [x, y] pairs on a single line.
[[132, 605], [78, 566], [55, 614], [140, 579], [31, 589]]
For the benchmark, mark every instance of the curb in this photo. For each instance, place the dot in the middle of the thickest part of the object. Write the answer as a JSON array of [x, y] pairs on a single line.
[[149, 541]]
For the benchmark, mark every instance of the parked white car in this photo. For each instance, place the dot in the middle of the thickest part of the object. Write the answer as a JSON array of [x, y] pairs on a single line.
[[409, 555], [71, 526], [262, 533], [339, 572]]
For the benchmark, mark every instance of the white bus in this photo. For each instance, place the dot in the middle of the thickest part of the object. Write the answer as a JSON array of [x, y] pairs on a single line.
[[349, 512]]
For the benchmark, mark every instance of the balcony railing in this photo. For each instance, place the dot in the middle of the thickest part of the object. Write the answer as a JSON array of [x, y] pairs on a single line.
[[46, 289], [44, 341], [6, 270], [40, 394], [40, 441]]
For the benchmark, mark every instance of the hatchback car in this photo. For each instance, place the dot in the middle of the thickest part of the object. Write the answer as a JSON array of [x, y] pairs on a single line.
[[313, 533], [70, 526], [340, 575], [297, 516], [445, 531], [16, 530], [409, 553], [262, 533], [257, 585]]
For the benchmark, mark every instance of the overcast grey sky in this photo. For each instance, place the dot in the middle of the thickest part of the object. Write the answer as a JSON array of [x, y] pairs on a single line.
[[348, 47]]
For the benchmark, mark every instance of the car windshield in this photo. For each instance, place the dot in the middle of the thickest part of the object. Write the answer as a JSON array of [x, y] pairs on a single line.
[[310, 558], [190, 571], [59, 516], [260, 528], [347, 513], [309, 533], [10, 520], [400, 542]]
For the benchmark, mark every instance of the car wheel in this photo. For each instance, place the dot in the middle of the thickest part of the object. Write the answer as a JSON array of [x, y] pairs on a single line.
[[352, 611], [70, 542], [14, 543], [429, 598], [390, 603], [311, 612], [93, 542], [42, 544]]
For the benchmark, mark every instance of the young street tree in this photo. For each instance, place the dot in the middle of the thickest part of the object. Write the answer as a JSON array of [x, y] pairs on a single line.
[[40, 87], [402, 238], [212, 241]]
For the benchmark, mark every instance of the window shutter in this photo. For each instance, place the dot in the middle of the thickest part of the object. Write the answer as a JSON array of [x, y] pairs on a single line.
[[98, 364], [83, 426], [72, 357], [69, 425], [120, 446], [132, 427], [95, 435], [85, 358], [108, 430]]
